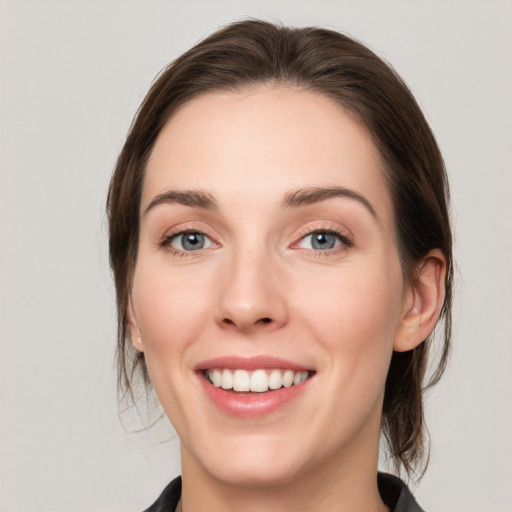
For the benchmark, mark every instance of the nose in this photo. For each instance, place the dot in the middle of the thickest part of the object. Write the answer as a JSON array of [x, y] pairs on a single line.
[[252, 295]]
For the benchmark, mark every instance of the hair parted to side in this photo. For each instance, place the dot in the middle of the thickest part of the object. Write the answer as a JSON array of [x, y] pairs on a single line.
[[255, 53]]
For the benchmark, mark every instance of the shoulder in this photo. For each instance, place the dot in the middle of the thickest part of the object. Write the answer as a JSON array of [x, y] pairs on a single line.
[[169, 498], [396, 495]]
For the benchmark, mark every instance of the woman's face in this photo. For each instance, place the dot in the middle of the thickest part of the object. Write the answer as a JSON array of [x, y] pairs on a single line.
[[267, 256]]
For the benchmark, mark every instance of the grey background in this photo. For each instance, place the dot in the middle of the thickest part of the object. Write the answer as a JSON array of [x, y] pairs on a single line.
[[72, 74]]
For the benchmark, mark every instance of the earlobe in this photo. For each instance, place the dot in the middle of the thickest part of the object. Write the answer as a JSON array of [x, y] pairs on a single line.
[[424, 306], [135, 335]]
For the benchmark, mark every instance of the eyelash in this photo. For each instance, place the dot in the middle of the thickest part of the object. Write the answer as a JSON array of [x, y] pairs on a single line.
[[345, 240]]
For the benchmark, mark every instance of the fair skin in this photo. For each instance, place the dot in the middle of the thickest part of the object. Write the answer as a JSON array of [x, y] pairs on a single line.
[[290, 253]]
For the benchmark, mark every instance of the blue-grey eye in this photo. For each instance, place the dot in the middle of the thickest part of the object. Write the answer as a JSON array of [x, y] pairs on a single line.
[[321, 241], [190, 241]]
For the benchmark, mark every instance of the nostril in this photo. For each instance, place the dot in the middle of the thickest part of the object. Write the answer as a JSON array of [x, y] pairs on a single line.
[[241, 324]]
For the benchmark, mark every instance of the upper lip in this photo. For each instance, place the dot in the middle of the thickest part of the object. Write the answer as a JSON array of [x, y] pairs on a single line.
[[250, 363]]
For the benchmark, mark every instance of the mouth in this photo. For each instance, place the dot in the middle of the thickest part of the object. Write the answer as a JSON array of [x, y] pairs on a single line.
[[260, 380], [254, 386]]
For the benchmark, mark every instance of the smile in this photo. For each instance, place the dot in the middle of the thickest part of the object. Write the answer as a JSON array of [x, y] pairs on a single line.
[[260, 380], [254, 386]]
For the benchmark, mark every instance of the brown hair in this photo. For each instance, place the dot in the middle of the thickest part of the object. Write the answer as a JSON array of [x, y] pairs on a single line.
[[257, 53]]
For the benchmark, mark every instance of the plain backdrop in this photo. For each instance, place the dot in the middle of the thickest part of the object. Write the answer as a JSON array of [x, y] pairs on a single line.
[[72, 74]]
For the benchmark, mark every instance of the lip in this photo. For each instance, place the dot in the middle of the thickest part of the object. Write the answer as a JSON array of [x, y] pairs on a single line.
[[250, 404], [250, 363]]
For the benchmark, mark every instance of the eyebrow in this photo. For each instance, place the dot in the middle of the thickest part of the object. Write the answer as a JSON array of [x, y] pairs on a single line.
[[300, 197], [311, 195], [193, 198]]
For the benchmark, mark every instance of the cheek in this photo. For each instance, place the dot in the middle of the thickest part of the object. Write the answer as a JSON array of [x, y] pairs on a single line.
[[170, 310], [355, 316]]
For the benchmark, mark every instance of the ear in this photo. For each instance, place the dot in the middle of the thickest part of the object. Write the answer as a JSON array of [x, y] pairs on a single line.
[[423, 301], [135, 335]]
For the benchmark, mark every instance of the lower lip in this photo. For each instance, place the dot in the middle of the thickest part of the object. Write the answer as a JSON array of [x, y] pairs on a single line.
[[251, 404]]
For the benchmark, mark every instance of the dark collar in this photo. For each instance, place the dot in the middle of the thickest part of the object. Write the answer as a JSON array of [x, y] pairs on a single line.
[[396, 495]]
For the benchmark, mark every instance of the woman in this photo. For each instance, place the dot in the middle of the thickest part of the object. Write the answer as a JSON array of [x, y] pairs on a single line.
[[281, 248]]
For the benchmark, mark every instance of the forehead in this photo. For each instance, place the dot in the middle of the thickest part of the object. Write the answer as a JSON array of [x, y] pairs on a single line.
[[264, 142]]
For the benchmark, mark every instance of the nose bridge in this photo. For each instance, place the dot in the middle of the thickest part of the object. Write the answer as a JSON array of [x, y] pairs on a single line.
[[250, 295]]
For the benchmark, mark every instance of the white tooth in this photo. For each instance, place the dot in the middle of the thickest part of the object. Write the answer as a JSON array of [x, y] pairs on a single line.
[[215, 377], [226, 379], [259, 381], [305, 375], [275, 380], [297, 378], [288, 378], [241, 380]]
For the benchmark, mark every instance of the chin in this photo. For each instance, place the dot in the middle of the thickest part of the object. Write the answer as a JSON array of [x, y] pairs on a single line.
[[244, 471], [248, 460]]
